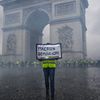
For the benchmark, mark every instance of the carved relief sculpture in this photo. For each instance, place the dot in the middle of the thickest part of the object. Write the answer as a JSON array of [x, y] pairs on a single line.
[[66, 37], [11, 44], [65, 8], [13, 18]]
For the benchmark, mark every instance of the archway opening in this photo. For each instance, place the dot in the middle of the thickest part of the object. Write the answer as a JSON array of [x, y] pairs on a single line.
[[36, 23], [46, 34]]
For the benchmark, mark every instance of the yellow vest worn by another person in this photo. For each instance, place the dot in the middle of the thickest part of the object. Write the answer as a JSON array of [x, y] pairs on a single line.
[[49, 64]]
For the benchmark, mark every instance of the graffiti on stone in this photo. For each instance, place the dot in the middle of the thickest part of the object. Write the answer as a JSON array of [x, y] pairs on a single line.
[[66, 37], [11, 44]]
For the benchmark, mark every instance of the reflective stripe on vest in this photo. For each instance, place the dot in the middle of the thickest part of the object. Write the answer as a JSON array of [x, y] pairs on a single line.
[[49, 64]]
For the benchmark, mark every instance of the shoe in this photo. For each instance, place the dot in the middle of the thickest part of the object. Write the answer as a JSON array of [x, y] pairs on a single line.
[[47, 97], [52, 98]]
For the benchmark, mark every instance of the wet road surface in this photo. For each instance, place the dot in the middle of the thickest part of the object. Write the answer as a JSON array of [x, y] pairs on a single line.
[[27, 83]]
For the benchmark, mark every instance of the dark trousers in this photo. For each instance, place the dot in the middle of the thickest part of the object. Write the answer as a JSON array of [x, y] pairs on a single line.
[[49, 75]]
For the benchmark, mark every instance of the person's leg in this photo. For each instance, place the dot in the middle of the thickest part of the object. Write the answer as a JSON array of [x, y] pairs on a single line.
[[52, 83], [46, 76]]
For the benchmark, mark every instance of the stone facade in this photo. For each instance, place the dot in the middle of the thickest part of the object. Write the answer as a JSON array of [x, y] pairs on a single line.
[[24, 21]]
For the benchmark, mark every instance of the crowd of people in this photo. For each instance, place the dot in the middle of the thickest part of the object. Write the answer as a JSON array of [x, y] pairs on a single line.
[[81, 63], [61, 63]]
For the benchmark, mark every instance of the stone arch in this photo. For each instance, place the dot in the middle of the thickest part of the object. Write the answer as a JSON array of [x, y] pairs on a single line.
[[35, 23], [33, 11]]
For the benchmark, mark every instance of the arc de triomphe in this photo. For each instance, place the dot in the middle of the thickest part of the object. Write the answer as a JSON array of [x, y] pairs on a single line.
[[24, 21]]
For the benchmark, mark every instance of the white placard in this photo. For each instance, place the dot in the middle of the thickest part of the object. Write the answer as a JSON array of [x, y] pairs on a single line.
[[48, 51]]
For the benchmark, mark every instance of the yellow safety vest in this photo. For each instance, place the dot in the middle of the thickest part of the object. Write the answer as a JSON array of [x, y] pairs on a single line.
[[17, 62], [49, 64]]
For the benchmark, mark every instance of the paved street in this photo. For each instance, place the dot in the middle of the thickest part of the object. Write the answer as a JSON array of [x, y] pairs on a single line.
[[27, 83]]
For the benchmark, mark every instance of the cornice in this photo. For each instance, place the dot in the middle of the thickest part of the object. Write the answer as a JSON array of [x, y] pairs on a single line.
[[7, 28], [3, 2]]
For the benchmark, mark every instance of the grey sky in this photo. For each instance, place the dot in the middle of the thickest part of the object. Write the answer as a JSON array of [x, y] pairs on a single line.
[[93, 26], [93, 30]]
